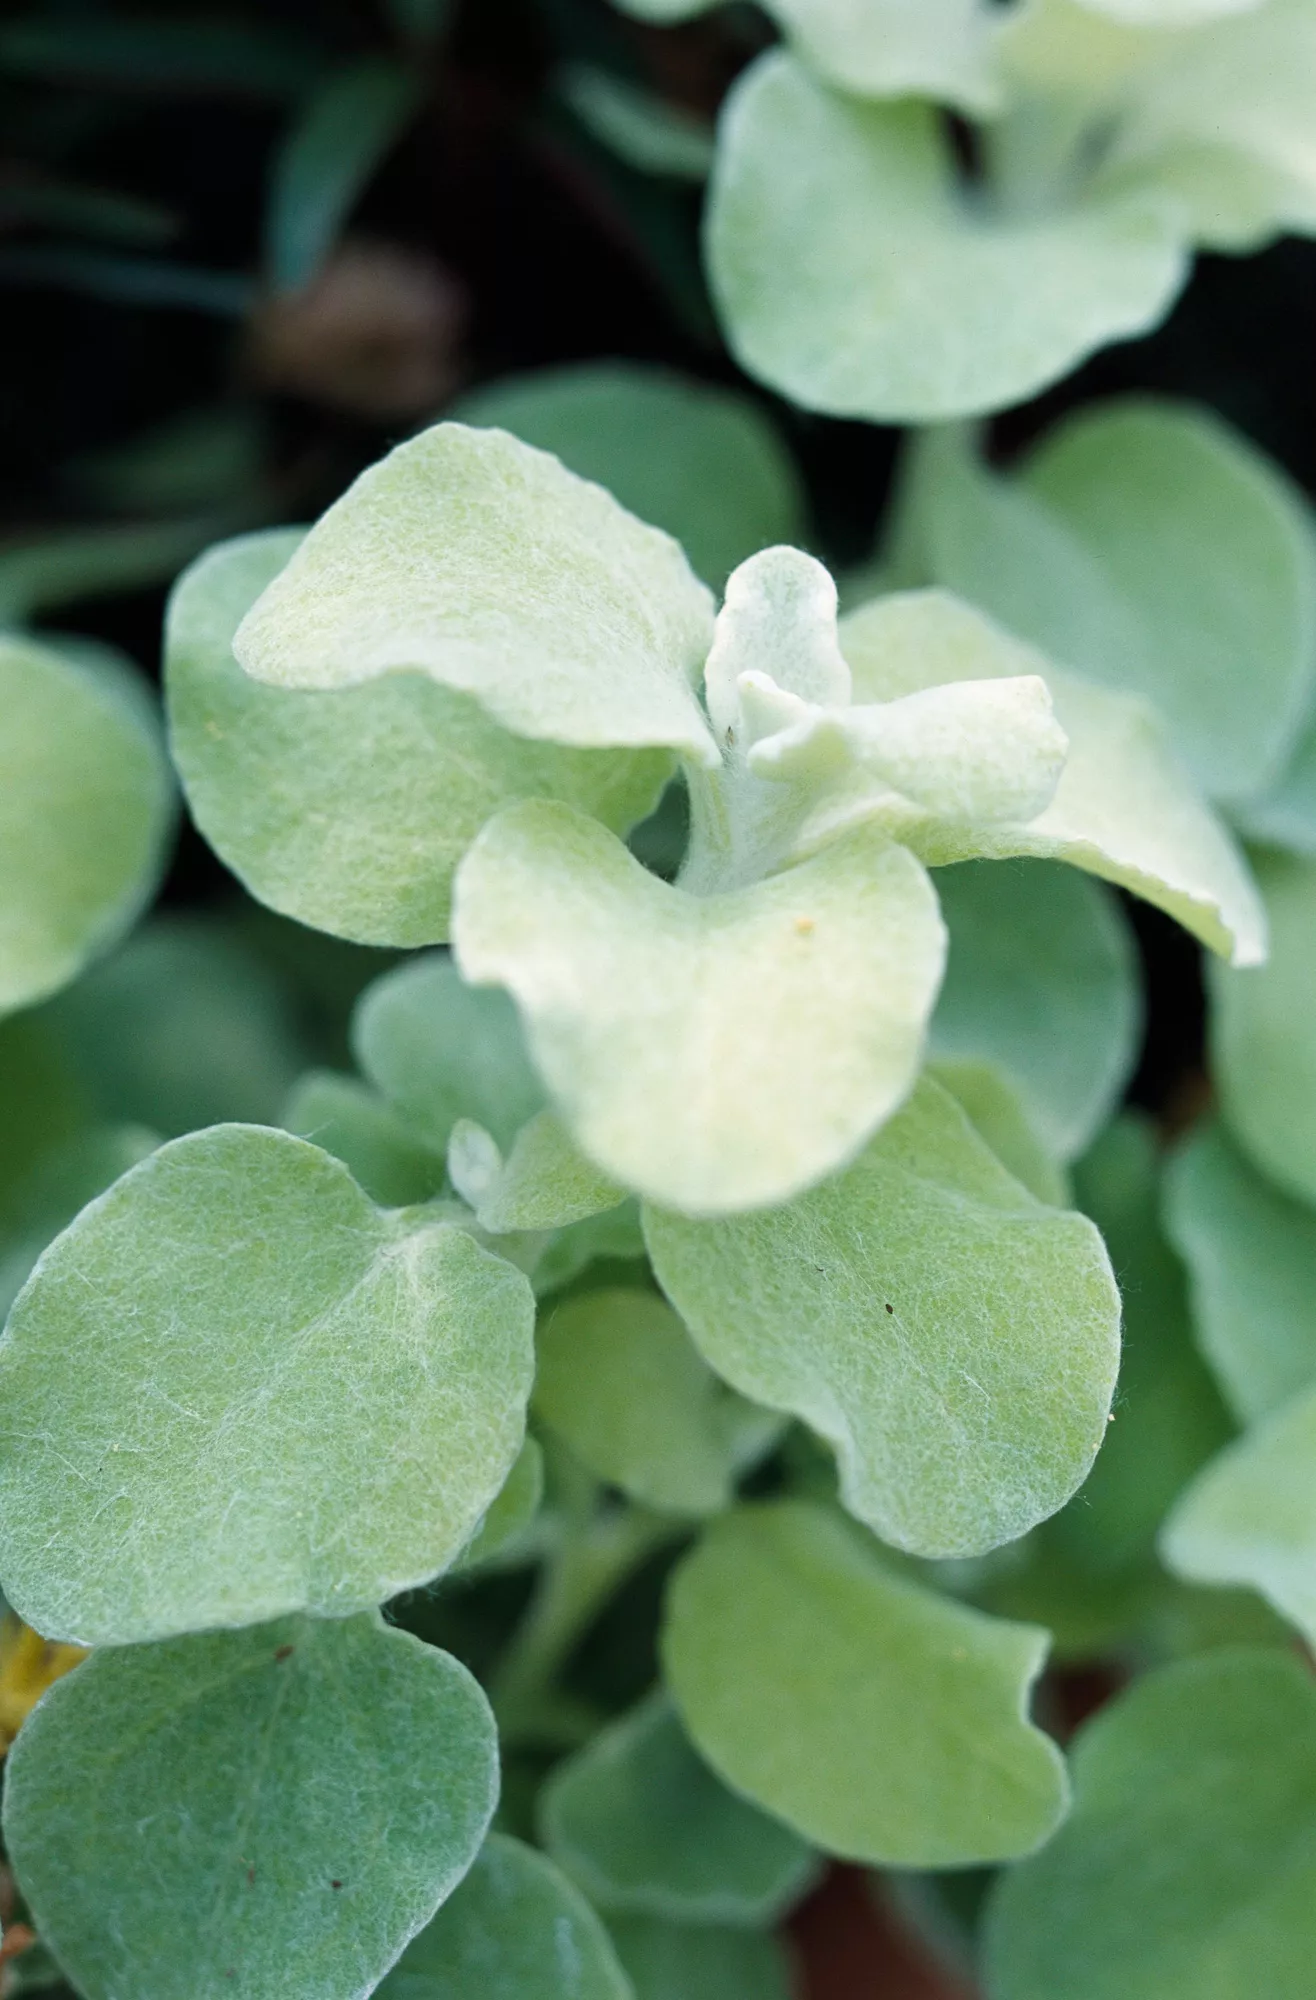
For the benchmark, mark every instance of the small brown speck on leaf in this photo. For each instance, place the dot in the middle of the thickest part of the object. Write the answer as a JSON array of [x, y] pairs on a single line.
[[251, 1878], [804, 925], [890, 1307], [335, 1885], [284, 1653]]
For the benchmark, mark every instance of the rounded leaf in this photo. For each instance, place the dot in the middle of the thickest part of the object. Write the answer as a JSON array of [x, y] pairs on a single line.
[[86, 806], [233, 1387], [722, 482], [516, 1929], [244, 1813], [644, 1826], [485, 564], [349, 811], [887, 1723], [853, 276], [700, 1961], [1124, 808], [712, 1052], [1251, 1257], [1187, 1870], [953, 1339]]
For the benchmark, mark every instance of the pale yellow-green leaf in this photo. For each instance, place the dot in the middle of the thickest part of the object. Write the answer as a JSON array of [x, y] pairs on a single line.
[[717, 1052], [1124, 808], [955, 1340], [884, 1722], [485, 564], [545, 1182], [854, 277], [349, 810]]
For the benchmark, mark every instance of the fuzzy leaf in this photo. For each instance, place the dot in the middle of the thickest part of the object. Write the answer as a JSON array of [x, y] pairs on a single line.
[[342, 133], [487, 565], [349, 811], [235, 1388], [991, 1102], [954, 1340], [1251, 1252], [516, 1929], [722, 482], [1124, 808], [440, 1050], [712, 1052], [886, 1723], [700, 1961], [619, 1380], [646, 1828], [1187, 1870], [85, 811], [1041, 979], [1250, 1517], [1261, 1033], [545, 1183], [854, 278], [275, 1810]]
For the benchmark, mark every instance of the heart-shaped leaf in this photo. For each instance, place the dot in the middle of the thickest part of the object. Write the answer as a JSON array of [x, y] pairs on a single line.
[[275, 1810], [714, 1052]]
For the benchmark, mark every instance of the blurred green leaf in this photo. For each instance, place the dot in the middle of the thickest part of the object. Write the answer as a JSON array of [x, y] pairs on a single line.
[[667, 1961], [338, 140], [42, 572], [640, 128], [164, 54]]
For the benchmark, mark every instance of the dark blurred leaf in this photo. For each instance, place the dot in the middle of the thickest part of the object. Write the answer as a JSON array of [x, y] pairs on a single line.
[[642, 130], [226, 57], [335, 144], [37, 575], [419, 20], [203, 458], [71, 209], [139, 281]]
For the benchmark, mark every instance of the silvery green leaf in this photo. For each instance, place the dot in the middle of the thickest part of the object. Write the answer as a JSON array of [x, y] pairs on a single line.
[[234, 1388], [86, 807], [1186, 1869], [349, 811], [884, 1722], [1285, 814], [953, 1339], [485, 564], [242, 1813], [778, 620], [545, 1183], [515, 1929], [642, 1824], [440, 1050], [854, 277], [1251, 1256], [346, 1118], [1250, 1516], [723, 483], [615, 1235], [1170, 13], [713, 1052], [183, 1026], [1124, 808], [995, 1108], [667, 1961], [1261, 1034], [620, 1382], [1042, 980]]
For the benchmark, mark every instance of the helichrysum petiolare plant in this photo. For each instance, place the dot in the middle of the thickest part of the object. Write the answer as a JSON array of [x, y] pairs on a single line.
[[722, 1206]]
